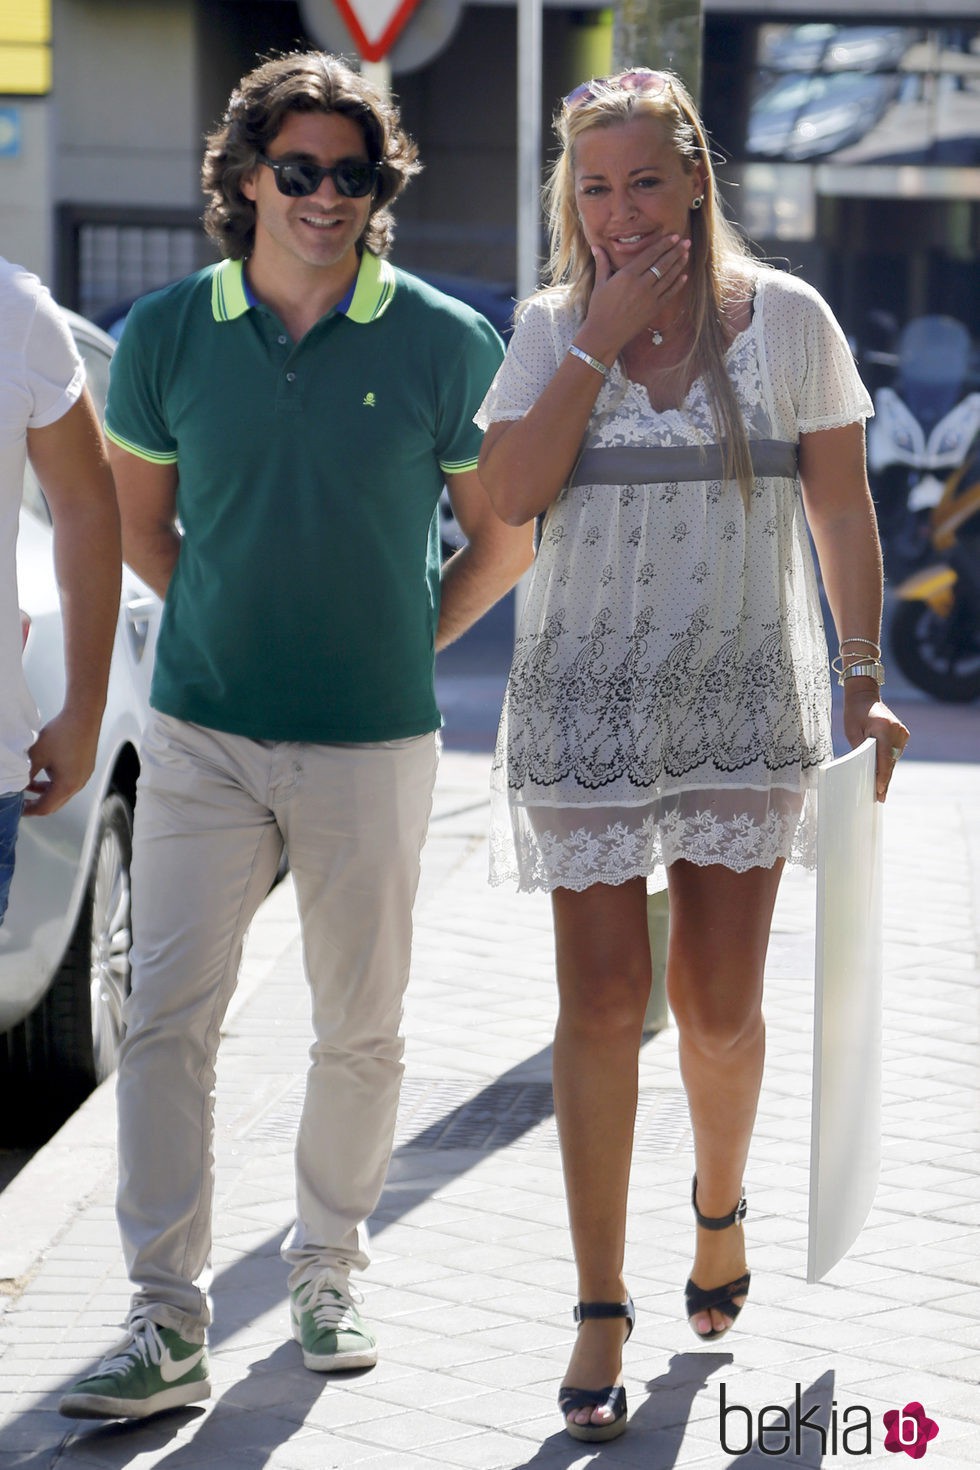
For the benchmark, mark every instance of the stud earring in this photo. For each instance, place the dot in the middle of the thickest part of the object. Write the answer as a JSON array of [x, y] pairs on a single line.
[[697, 203]]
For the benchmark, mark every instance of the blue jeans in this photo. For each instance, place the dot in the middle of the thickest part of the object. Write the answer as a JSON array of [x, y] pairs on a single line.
[[10, 807]]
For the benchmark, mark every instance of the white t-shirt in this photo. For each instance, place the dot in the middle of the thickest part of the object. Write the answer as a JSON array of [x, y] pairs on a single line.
[[41, 377]]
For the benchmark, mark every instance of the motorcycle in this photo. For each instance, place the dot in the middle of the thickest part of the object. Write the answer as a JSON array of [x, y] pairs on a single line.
[[922, 430], [935, 628]]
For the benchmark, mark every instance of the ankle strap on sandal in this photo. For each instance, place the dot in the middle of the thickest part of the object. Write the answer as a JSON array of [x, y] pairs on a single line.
[[717, 1222], [626, 1309]]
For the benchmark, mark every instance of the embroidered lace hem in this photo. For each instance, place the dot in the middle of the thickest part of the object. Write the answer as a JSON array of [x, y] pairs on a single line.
[[543, 857]]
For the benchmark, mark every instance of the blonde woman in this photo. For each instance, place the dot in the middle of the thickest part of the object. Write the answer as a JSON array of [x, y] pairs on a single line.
[[679, 413]]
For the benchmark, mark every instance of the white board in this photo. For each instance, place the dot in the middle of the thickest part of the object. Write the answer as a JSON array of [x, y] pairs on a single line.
[[845, 1137]]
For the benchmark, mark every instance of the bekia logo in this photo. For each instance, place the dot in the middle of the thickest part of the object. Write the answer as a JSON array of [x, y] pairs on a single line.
[[777, 1429], [909, 1429]]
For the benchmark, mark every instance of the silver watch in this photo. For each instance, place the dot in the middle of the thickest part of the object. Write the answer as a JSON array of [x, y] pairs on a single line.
[[870, 669]]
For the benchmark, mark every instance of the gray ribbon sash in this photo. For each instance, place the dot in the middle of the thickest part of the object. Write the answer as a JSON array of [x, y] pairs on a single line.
[[641, 465]]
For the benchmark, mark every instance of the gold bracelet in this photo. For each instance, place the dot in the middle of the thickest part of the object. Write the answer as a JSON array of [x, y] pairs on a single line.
[[873, 652], [593, 362]]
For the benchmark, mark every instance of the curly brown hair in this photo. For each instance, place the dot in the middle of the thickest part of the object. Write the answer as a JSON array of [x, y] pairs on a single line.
[[309, 81]]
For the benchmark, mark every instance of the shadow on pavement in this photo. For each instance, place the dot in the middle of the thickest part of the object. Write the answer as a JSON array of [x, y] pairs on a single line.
[[660, 1420], [274, 1400]]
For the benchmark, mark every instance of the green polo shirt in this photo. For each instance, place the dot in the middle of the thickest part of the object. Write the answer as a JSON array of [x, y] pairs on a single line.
[[306, 593]]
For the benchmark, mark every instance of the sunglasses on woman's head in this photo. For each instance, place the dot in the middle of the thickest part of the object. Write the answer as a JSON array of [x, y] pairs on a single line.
[[640, 79], [296, 177]]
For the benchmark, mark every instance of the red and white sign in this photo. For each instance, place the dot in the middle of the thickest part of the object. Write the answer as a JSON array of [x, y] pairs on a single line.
[[375, 25]]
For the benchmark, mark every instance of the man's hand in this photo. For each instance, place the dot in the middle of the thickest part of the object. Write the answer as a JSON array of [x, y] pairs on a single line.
[[64, 756]]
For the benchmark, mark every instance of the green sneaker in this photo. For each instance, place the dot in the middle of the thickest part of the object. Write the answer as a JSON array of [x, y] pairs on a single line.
[[328, 1326], [152, 1369]]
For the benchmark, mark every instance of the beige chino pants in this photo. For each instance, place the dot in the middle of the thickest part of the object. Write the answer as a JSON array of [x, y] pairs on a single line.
[[213, 813]]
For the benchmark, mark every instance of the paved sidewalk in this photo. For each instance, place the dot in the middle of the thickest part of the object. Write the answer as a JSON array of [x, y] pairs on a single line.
[[472, 1280]]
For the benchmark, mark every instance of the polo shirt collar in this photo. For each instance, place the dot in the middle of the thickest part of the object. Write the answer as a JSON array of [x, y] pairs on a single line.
[[368, 299]]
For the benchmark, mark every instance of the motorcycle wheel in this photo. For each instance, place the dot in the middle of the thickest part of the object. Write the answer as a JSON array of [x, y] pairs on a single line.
[[938, 654]]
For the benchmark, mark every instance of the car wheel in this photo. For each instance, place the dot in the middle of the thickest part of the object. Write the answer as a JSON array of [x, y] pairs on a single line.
[[83, 1010]]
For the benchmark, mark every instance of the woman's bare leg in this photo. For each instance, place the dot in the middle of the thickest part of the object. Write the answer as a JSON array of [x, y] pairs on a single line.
[[719, 933], [603, 964]]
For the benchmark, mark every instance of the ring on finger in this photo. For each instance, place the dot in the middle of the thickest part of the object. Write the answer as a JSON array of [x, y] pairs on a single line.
[[896, 752], [656, 271]]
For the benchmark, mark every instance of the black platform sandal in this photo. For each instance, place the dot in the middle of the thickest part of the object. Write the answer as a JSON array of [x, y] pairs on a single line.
[[612, 1398], [716, 1298]]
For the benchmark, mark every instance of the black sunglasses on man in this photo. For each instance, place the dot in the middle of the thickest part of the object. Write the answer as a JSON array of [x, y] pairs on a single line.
[[298, 177]]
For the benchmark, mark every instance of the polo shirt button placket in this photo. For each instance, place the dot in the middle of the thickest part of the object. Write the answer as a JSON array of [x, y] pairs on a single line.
[[288, 395]]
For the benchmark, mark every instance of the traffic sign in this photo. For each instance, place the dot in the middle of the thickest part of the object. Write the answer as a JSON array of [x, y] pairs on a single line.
[[375, 24]]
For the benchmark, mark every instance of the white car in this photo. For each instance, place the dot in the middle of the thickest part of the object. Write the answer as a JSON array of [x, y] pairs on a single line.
[[64, 944]]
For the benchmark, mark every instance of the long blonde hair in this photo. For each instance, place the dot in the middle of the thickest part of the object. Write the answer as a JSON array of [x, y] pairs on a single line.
[[719, 262]]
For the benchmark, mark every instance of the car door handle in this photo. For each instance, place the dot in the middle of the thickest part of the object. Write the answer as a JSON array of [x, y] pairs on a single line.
[[138, 612]]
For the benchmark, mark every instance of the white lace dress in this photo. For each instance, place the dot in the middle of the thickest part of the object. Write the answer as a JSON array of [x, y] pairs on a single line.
[[669, 695]]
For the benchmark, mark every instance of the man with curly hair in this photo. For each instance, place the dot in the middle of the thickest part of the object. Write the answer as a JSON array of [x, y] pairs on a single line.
[[281, 425]]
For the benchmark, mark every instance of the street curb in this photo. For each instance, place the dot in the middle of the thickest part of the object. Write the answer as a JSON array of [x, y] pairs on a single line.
[[52, 1188]]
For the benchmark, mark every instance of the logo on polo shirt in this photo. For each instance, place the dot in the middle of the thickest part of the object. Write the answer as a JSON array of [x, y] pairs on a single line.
[[369, 401]]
